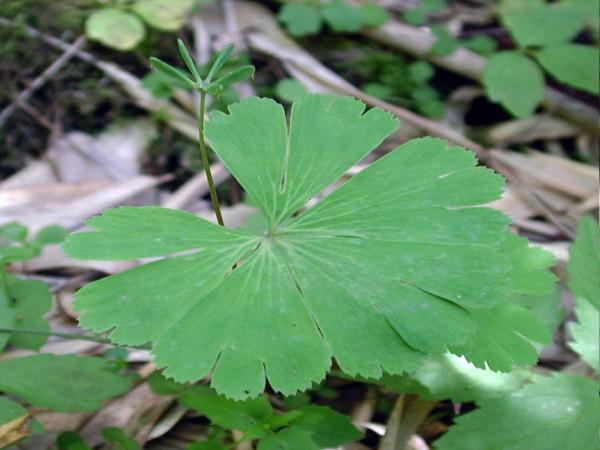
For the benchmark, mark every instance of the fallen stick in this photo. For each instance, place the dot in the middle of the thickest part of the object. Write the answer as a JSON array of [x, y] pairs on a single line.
[[469, 64], [46, 75]]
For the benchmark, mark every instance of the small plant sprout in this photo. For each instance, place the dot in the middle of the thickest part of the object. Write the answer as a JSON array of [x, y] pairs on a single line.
[[204, 87]]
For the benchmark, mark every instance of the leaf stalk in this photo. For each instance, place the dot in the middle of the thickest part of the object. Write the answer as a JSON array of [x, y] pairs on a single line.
[[205, 161]]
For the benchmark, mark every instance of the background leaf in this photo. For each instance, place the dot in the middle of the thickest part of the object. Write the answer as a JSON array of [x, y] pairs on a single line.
[[514, 81], [572, 64], [71, 383], [13, 422], [584, 263], [586, 333], [301, 19], [569, 420], [583, 269], [543, 24], [166, 15], [327, 428], [290, 90], [288, 439], [448, 376], [230, 414], [115, 29], [31, 300], [342, 17]]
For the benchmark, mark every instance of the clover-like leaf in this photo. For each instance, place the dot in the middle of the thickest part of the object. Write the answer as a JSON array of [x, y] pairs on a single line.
[[396, 263], [71, 383], [552, 413]]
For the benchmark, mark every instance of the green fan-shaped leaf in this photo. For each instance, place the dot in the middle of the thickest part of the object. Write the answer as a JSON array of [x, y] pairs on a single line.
[[572, 64], [166, 15], [115, 29], [514, 81], [70, 383], [351, 278], [555, 413]]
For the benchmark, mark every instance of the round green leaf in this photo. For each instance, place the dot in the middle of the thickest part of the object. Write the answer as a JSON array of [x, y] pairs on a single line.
[[14, 231], [544, 24], [166, 15], [514, 81], [482, 44], [51, 234], [342, 17], [301, 19], [373, 15], [572, 64], [421, 71], [290, 90], [115, 29]]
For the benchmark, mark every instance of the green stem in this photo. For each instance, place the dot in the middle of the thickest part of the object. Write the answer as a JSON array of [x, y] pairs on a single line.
[[205, 161]]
